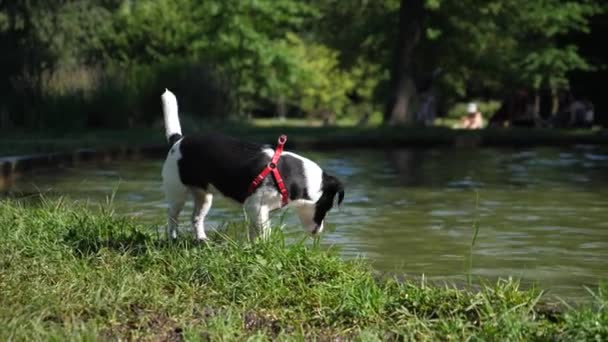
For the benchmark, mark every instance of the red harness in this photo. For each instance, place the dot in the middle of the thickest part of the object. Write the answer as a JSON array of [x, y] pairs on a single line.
[[272, 167]]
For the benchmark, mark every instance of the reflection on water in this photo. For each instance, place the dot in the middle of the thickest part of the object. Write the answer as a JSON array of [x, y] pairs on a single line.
[[541, 212]]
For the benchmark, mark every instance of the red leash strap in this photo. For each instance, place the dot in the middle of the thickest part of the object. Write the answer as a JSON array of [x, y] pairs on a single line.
[[272, 167]]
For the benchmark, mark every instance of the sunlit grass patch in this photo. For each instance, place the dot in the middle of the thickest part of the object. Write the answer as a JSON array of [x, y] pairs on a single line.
[[67, 270]]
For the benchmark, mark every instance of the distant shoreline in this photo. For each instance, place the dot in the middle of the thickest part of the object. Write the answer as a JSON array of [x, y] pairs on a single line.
[[27, 151]]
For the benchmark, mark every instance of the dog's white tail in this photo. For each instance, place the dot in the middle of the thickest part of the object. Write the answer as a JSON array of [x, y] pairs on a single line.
[[173, 130]]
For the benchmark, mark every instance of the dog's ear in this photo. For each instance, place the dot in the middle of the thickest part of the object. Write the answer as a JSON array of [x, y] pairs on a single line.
[[334, 188], [339, 194], [339, 197]]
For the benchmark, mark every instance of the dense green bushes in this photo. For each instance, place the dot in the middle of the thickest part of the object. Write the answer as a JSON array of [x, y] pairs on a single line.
[[118, 97], [323, 59]]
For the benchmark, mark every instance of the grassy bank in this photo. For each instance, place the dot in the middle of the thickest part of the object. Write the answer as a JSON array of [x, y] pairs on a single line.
[[71, 272], [23, 142]]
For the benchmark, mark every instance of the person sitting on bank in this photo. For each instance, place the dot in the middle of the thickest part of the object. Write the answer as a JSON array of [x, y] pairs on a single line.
[[581, 114], [473, 119], [574, 114]]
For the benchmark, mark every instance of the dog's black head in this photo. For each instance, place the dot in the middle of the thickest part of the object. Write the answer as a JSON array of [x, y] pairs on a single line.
[[333, 191], [312, 214]]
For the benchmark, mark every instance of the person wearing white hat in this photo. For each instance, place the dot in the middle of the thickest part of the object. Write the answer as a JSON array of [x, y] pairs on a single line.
[[473, 119]]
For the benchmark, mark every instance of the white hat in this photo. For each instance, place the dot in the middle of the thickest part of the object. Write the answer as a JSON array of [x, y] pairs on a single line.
[[472, 107]]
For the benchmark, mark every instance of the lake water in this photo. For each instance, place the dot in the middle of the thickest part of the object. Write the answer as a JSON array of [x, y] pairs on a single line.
[[542, 213]]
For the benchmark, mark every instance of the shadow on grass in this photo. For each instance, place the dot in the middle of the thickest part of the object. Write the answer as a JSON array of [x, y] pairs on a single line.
[[88, 240], [88, 235]]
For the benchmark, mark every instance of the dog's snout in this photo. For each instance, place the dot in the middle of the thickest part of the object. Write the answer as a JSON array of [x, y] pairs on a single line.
[[317, 229]]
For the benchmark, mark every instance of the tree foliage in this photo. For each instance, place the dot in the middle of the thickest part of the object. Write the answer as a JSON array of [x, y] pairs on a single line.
[[500, 45], [321, 57]]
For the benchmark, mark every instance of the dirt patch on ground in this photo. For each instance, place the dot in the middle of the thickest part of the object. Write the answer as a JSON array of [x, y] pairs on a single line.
[[143, 325], [256, 321]]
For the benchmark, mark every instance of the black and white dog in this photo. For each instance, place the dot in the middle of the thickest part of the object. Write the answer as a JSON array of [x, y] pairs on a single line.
[[194, 164]]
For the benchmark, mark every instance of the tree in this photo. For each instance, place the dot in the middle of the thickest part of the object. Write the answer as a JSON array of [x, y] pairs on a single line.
[[317, 56], [36, 38], [495, 45], [244, 40], [402, 91]]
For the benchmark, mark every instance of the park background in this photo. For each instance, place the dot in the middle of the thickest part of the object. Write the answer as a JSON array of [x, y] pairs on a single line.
[[71, 65], [503, 242]]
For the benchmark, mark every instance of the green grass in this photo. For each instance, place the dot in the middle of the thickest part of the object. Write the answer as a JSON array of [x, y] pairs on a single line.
[[71, 272]]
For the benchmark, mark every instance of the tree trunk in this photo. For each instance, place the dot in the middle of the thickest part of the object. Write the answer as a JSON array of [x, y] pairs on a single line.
[[403, 92]]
